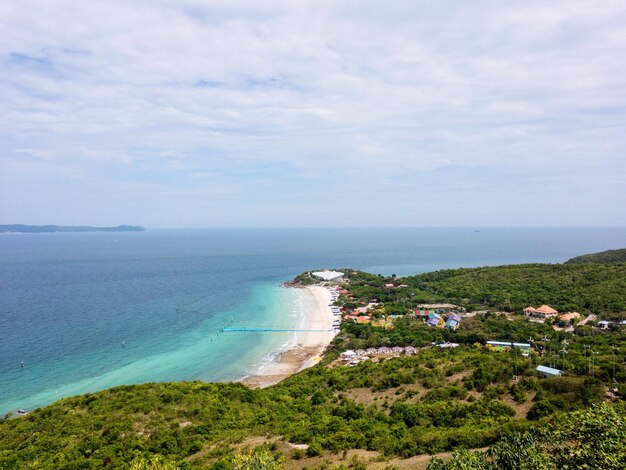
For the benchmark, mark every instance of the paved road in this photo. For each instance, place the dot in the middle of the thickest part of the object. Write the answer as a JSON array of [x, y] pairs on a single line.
[[591, 317]]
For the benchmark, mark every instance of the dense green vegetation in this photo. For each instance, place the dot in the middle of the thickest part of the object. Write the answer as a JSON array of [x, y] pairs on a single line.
[[573, 287], [435, 401], [589, 439], [606, 257]]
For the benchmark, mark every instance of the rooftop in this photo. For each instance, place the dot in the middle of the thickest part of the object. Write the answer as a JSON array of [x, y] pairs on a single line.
[[327, 275], [546, 309], [548, 370]]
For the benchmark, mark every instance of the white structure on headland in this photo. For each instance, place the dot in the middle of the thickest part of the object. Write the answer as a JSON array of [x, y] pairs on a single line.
[[328, 275]]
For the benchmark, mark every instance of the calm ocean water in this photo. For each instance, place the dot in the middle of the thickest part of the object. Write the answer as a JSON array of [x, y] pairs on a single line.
[[89, 311]]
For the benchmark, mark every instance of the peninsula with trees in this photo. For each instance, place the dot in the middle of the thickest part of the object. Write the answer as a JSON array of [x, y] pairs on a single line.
[[20, 228]]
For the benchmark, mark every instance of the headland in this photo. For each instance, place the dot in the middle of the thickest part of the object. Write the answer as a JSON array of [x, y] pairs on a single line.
[[21, 228]]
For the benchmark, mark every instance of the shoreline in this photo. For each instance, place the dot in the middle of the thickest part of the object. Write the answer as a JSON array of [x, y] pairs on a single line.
[[306, 349]]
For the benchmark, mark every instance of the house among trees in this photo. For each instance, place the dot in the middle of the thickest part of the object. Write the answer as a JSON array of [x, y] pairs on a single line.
[[548, 371], [569, 316], [434, 320], [422, 313], [453, 322], [348, 354], [545, 311], [359, 318]]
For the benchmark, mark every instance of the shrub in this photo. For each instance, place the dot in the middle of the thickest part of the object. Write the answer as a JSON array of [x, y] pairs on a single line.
[[540, 409], [314, 449]]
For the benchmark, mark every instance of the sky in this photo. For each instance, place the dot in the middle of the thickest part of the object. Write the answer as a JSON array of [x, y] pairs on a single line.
[[324, 113]]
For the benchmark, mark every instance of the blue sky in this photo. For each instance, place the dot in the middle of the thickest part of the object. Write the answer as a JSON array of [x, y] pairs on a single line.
[[326, 113]]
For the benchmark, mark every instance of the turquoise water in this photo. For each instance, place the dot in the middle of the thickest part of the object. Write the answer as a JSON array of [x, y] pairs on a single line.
[[202, 353], [89, 311]]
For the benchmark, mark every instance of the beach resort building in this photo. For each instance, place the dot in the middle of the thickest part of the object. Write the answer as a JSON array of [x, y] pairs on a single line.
[[435, 320], [348, 354], [545, 311], [569, 316], [326, 275], [359, 318], [548, 371], [422, 313], [453, 322]]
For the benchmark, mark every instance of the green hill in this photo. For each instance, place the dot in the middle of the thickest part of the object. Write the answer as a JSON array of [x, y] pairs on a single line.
[[435, 401], [566, 287], [594, 288], [606, 257]]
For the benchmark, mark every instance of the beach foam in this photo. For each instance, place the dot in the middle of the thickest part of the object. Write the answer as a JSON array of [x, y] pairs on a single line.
[[307, 345]]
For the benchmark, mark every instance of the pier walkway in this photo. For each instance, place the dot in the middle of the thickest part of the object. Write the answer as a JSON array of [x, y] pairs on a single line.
[[228, 329]]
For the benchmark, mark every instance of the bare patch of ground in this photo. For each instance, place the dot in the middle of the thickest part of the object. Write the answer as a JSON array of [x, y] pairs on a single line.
[[521, 409], [459, 377], [372, 460]]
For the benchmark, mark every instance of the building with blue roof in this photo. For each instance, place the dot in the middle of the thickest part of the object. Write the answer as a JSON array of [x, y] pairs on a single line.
[[549, 371]]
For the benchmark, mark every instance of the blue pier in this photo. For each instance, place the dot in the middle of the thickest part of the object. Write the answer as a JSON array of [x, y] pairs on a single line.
[[228, 329]]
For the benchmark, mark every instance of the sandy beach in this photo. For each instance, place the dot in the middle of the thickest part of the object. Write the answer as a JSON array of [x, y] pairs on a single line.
[[309, 345]]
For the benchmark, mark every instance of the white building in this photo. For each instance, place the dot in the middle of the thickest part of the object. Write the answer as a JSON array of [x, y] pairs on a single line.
[[548, 371], [328, 275]]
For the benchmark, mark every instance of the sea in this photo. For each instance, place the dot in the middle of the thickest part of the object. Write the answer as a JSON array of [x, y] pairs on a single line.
[[81, 312]]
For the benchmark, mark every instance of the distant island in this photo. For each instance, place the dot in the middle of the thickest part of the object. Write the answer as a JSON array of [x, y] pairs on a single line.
[[20, 228]]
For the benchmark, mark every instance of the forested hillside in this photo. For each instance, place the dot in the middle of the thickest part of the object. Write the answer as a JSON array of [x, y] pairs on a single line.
[[606, 257], [586, 288], [572, 287], [437, 400]]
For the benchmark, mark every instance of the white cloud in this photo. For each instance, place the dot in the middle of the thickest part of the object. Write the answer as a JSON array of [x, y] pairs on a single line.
[[351, 95]]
